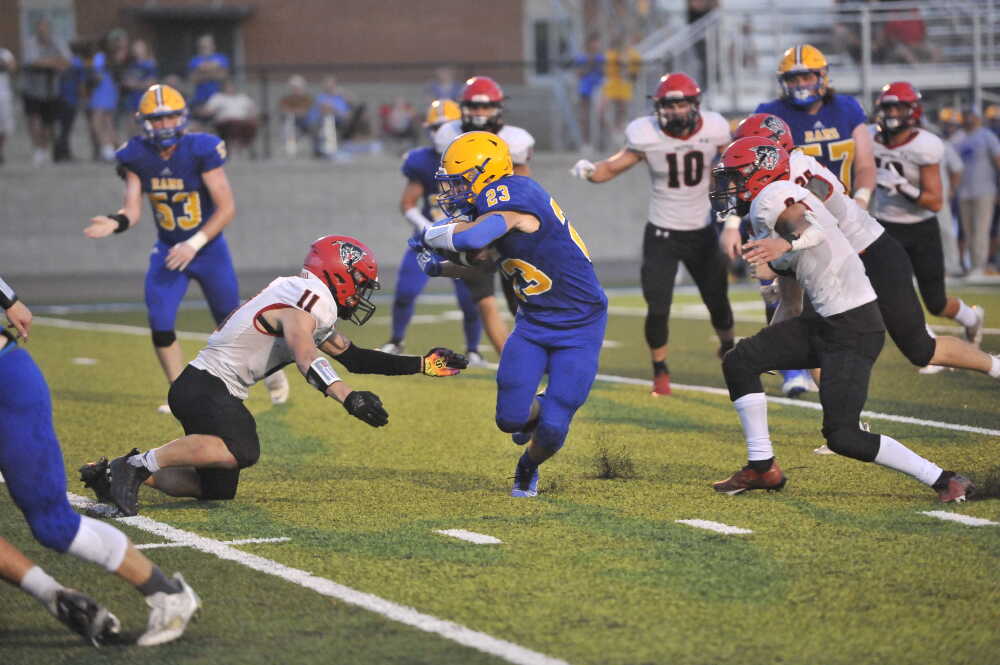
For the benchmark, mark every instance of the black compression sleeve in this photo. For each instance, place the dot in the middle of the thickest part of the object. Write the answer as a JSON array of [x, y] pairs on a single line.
[[370, 361]]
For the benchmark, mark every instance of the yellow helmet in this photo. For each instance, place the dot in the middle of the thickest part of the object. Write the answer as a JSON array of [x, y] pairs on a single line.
[[992, 112], [949, 116], [471, 162], [800, 59], [441, 111], [161, 101]]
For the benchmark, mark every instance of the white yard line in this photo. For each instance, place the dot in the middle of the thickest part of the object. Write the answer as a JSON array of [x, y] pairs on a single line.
[[508, 651], [471, 536], [244, 541], [957, 517], [718, 527]]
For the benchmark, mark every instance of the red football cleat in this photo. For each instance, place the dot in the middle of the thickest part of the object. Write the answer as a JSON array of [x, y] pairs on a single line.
[[661, 384], [746, 478]]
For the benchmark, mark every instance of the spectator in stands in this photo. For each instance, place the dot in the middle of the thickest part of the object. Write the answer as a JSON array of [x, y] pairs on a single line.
[[333, 118], [140, 73], [444, 85], [102, 101], [70, 83], [294, 108], [622, 64], [8, 65], [977, 192], [951, 176], [399, 121], [234, 115], [589, 67], [116, 48], [207, 70], [903, 40], [44, 57]]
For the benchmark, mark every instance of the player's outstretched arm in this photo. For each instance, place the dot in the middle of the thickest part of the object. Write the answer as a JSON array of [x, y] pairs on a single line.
[[479, 233], [128, 216], [606, 169], [439, 361]]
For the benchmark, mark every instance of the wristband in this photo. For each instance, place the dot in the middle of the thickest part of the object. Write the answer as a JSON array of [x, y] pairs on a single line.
[[440, 237], [321, 375], [123, 222], [7, 295], [909, 191], [731, 222], [197, 241], [417, 218], [862, 195]]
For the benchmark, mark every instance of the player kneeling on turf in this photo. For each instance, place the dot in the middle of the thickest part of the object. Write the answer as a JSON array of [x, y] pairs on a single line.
[[286, 322]]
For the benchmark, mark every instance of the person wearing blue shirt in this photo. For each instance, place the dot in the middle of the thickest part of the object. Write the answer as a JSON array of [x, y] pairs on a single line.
[[192, 202], [207, 70], [562, 311], [140, 73], [590, 72]]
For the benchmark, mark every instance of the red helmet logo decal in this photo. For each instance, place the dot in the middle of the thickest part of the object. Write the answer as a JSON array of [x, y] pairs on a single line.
[[767, 156], [350, 254]]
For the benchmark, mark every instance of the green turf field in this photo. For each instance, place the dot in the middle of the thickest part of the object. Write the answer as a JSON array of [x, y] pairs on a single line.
[[841, 567]]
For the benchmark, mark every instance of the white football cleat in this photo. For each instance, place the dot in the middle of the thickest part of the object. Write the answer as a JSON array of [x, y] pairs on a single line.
[[391, 347], [824, 450], [169, 614], [277, 387], [475, 359], [165, 409]]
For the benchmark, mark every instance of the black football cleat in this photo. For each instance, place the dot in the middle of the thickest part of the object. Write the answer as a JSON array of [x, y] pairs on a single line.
[[84, 616], [96, 476], [953, 488], [125, 482]]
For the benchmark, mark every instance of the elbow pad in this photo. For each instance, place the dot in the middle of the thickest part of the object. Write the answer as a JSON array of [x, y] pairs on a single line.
[[481, 234]]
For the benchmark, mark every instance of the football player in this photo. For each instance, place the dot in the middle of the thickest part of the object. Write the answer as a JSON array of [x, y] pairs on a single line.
[[286, 322], [182, 174], [843, 334], [908, 196], [419, 206], [31, 465], [679, 143], [562, 310], [825, 125]]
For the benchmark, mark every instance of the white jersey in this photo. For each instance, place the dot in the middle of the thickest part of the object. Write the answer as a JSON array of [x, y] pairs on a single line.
[[860, 228], [830, 273], [922, 149], [520, 142], [679, 169], [242, 351]]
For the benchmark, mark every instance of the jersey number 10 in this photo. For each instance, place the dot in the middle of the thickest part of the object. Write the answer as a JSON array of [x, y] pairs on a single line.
[[694, 169]]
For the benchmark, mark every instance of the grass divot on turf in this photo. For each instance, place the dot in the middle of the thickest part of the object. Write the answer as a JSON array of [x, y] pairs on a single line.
[[614, 464], [987, 484]]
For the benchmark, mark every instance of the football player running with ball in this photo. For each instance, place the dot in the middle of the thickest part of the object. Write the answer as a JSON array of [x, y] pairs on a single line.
[[843, 334], [679, 143], [286, 322], [182, 174], [562, 310]]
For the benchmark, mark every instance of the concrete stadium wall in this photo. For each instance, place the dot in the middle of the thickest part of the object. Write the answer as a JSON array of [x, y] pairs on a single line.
[[282, 207]]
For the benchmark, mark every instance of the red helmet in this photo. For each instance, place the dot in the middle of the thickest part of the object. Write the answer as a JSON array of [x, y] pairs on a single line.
[[768, 126], [901, 94], [349, 269], [481, 92], [747, 166], [675, 88]]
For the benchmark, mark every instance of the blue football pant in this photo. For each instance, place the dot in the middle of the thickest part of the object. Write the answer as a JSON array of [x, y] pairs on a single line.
[[212, 268], [30, 458]]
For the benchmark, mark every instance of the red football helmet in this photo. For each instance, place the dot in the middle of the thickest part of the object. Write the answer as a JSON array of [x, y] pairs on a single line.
[[747, 166], [677, 87], [481, 92], [904, 97], [349, 269], [768, 126]]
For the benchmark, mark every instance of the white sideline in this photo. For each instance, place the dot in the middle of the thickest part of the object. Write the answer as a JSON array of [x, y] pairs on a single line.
[[714, 526], [471, 536], [958, 517], [508, 651], [244, 541], [610, 378]]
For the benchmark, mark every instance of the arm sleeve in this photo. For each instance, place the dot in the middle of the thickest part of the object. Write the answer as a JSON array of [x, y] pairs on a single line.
[[370, 361]]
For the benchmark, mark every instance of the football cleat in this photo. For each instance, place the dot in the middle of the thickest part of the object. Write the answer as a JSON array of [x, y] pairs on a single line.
[[395, 348], [746, 479], [97, 476], [952, 487], [974, 333], [475, 359], [525, 483], [164, 409], [277, 387], [661, 383], [931, 369], [796, 382], [169, 614], [84, 616], [823, 450], [125, 482]]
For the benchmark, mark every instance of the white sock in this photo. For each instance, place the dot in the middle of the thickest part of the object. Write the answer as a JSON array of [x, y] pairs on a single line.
[[893, 454], [929, 331], [966, 315], [41, 585], [146, 459], [752, 409], [995, 369]]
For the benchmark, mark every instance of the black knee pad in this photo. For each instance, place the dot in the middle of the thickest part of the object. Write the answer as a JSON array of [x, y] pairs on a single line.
[[853, 442], [740, 378], [164, 338], [657, 332], [219, 484]]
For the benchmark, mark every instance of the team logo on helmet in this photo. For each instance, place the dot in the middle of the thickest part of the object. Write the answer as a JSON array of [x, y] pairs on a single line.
[[767, 156], [774, 124], [350, 254]]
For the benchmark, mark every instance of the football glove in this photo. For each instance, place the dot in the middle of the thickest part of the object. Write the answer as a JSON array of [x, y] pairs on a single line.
[[440, 361], [366, 406], [888, 178], [583, 169]]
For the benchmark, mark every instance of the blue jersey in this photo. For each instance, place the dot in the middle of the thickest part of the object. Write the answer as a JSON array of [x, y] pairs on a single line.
[[181, 201], [552, 275], [420, 165], [826, 135]]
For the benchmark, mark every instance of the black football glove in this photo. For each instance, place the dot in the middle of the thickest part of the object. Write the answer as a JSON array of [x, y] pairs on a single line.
[[440, 361], [366, 406]]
